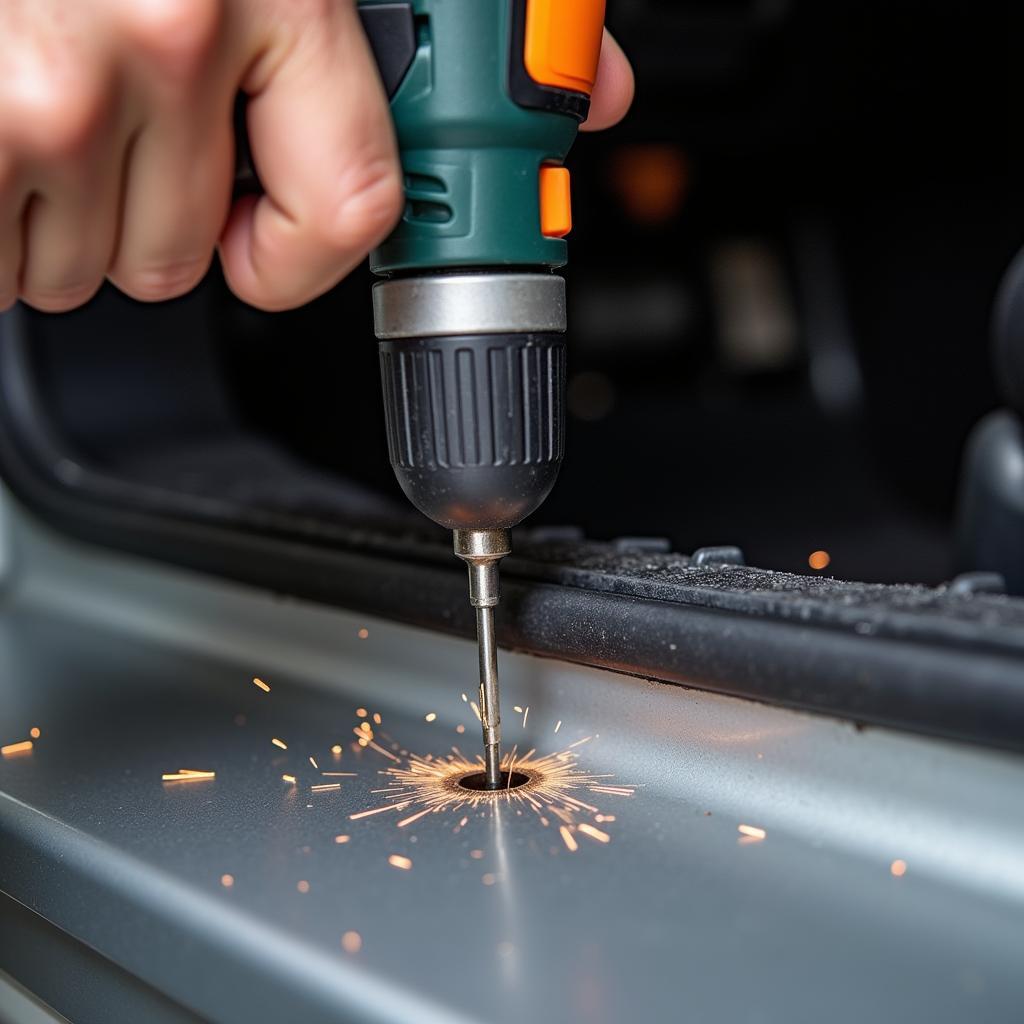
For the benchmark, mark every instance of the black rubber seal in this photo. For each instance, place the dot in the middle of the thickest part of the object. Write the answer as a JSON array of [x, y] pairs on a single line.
[[943, 661]]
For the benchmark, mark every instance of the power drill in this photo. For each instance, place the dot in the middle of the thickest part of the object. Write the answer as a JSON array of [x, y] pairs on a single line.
[[487, 97]]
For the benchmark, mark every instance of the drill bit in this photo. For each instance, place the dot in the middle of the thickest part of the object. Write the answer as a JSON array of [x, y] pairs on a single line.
[[482, 550]]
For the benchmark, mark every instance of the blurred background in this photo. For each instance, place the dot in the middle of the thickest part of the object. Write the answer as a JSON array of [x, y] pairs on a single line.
[[781, 282]]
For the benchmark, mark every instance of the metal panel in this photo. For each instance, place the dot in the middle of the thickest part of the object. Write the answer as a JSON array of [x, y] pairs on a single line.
[[131, 671]]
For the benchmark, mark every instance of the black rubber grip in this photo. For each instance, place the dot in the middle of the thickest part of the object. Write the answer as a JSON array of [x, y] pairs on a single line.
[[475, 424]]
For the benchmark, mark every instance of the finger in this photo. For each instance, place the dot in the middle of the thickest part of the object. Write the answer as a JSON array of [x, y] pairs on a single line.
[[11, 204], [177, 196], [69, 228], [614, 89], [179, 170], [60, 125], [324, 149]]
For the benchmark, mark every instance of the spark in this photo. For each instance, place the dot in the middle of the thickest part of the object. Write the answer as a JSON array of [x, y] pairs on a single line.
[[430, 716], [398, 861], [489, 879], [460, 729], [363, 633], [526, 714], [312, 761], [289, 778], [465, 699], [360, 712], [279, 743], [262, 685], [477, 854], [302, 885], [386, 753], [351, 942], [568, 839], [594, 833], [35, 732], [342, 839], [377, 810], [476, 710], [336, 750], [898, 868], [16, 748], [819, 559], [187, 775], [555, 787], [377, 719], [323, 786], [579, 743], [752, 831], [413, 817], [604, 817], [517, 709], [227, 881], [558, 726], [337, 775]]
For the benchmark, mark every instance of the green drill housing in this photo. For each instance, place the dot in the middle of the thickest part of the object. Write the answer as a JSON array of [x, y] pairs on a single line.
[[471, 154]]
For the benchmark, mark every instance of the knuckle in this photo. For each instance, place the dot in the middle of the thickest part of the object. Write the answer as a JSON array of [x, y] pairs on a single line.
[[53, 100], [55, 122], [177, 34], [162, 281], [369, 211]]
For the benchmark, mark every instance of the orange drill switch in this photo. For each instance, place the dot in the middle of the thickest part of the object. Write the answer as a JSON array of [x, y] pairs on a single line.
[[555, 201], [563, 42]]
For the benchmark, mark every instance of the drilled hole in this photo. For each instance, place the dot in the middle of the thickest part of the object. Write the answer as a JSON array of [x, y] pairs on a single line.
[[478, 781]]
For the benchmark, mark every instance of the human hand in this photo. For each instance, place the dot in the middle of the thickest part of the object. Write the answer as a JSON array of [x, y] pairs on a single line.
[[117, 147]]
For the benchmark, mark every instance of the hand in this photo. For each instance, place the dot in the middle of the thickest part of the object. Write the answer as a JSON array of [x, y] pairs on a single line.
[[117, 153]]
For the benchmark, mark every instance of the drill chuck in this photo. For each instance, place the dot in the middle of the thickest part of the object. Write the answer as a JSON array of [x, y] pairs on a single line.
[[475, 417]]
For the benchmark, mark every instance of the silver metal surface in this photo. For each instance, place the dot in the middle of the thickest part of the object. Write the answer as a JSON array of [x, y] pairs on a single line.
[[482, 550], [17, 1006], [133, 669], [421, 307]]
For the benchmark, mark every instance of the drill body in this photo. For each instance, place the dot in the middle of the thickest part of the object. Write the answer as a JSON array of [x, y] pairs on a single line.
[[487, 97]]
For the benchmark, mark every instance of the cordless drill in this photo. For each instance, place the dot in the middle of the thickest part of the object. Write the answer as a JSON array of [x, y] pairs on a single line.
[[487, 97]]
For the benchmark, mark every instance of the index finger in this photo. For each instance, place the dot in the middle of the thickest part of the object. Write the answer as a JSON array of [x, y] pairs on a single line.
[[324, 148]]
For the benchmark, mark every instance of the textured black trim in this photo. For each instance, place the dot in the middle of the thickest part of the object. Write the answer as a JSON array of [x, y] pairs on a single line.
[[524, 90]]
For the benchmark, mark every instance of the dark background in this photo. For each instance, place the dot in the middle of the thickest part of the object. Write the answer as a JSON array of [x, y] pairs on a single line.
[[782, 275]]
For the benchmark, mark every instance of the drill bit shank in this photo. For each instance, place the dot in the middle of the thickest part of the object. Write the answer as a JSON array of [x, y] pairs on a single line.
[[482, 550]]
